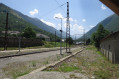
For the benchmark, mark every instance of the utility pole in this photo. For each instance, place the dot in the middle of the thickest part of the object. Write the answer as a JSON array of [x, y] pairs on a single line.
[[55, 38], [75, 40], [61, 39], [20, 39], [60, 36], [84, 36], [6, 30], [68, 30]]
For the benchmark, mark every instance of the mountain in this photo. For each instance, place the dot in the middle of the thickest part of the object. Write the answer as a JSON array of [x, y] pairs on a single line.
[[111, 23], [23, 21], [40, 24]]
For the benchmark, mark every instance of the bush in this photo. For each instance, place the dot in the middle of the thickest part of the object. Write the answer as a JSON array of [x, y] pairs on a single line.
[[99, 35], [48, 45]]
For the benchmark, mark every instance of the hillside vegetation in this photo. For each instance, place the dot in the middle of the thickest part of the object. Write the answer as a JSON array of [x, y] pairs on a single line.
[[111, 24], [15, 22]]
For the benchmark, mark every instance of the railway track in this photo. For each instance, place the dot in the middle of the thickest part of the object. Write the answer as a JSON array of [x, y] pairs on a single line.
[[21, 54], [15, 55]]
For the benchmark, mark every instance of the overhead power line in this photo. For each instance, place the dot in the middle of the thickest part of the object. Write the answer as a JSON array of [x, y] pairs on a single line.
[[46, 14], [59, 5]]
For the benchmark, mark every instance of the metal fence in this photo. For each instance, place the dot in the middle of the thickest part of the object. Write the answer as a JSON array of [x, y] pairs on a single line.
[[14, 42]]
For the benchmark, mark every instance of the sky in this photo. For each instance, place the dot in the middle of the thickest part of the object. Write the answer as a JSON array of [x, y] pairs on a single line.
[[84, 14]]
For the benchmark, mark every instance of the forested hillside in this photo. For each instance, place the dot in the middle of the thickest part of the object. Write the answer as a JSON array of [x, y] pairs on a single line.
[[15, 21], [111, 24]]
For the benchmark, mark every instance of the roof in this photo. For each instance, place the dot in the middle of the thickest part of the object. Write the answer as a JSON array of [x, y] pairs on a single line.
[[112, 34], [112, 4], [12, 32], [42, 35]]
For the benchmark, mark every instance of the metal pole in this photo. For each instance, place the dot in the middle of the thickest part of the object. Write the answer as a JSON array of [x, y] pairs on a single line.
[[55, 38], [68, 29], [20, 40], [75, 40], [6, 30], [60, 36], [84, 36], [61, 39]]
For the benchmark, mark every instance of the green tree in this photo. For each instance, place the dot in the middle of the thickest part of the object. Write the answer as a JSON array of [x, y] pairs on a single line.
[[29, 33], [88, 41], [99, 35], [70, 40]]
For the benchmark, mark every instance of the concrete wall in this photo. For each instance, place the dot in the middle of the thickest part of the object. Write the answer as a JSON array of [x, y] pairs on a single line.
[[110, 48]]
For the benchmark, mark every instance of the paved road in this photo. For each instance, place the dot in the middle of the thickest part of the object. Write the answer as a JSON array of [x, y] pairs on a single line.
[[31, 57]]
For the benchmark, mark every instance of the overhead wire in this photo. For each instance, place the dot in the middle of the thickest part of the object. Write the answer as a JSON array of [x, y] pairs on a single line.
[[46, 14], [59, 4]]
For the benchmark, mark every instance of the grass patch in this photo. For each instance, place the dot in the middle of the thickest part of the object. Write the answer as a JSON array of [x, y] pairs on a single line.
[[16, 69], [64, 68], [102, 74], [52, 44], [46, 45], [34, 63], [90, 62], [90, 47], [9, 48], [46, 62], [19, 74]]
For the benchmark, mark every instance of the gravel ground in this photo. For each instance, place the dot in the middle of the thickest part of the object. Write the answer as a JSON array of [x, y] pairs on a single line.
[[12, 52], [26, 58], [55, 75]]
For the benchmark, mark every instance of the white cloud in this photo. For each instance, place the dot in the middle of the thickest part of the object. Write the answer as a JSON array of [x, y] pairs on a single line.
[[103, 7], [83, 20], [64, 19], [71, 19], [66, 24], [92, 26], [77, 29], [48, 23], [33, 12], [59, 26], [59, 15], [80, 28]]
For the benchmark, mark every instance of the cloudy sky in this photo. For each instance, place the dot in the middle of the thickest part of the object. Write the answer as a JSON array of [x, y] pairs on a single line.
[[84, 14]]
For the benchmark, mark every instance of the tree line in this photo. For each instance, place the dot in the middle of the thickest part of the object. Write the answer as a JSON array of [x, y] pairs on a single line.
[[97, 36]]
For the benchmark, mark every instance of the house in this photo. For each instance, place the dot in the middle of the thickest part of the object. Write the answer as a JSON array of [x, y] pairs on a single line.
[[11, 32], [109, 47], [112, 4], [42, 36]]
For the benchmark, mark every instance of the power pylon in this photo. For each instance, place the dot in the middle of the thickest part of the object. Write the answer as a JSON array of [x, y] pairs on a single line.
[[68, 31]]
